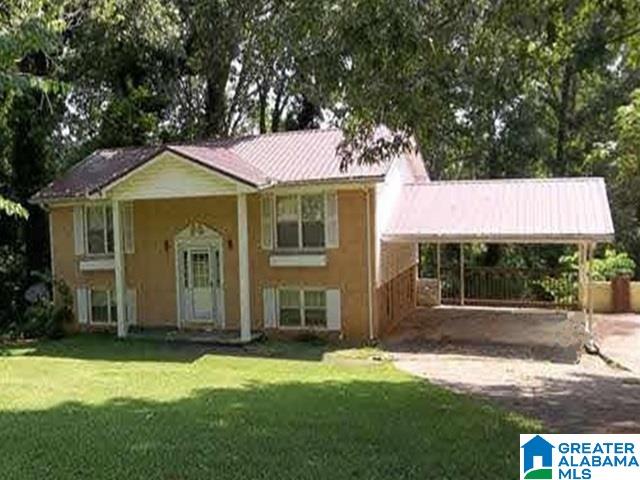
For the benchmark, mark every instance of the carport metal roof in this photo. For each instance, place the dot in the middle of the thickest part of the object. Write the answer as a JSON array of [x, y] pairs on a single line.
[[562, 210]]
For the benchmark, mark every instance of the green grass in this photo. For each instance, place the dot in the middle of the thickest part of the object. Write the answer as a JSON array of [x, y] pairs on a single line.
[[93, 408]]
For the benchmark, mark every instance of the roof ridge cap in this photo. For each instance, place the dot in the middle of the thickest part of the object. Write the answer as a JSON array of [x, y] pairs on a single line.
[[512, 180], [205, 141]]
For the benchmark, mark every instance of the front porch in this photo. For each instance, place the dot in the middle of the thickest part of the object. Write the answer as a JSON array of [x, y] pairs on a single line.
[[180, 251]]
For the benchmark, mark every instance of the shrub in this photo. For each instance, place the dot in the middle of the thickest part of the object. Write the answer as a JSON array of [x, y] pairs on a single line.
[[612, 265], [46, 317], [564, 287]]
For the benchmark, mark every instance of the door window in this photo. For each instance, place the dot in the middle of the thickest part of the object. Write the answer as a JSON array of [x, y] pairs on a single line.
[[201, 269]]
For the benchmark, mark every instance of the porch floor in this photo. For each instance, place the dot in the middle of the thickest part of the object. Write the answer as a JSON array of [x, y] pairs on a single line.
[[193, 336]]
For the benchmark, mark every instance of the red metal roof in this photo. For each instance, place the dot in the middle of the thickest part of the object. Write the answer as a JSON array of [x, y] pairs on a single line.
[[544, 210], [258, 160], [303, 156]]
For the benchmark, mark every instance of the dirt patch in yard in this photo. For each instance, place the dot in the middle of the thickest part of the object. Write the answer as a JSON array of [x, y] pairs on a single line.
[[585, 397]]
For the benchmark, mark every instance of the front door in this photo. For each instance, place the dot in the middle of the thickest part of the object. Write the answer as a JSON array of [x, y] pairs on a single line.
[[200, 284]]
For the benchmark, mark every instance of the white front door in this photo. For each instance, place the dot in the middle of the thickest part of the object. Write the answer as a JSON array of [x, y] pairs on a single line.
[[200, 284]]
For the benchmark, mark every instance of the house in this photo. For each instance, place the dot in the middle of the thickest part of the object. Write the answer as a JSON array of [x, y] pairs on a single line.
[[267, 233]]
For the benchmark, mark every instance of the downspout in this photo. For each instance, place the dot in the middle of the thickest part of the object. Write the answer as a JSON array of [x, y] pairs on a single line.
[[369, 272]]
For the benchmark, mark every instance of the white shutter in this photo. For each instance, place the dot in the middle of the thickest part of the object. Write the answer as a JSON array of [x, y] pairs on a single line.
[[127, 227], [331, 228], [82, 305], [269, 301], [131, 307], [266, 208], [334, 321], [78, 229]]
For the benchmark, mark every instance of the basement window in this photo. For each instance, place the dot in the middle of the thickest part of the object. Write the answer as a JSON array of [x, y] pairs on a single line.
[[302, 308]]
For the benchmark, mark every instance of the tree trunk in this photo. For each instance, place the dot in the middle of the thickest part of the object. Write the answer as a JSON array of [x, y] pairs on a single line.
[[262, 106], [560, 167], [216, 104]]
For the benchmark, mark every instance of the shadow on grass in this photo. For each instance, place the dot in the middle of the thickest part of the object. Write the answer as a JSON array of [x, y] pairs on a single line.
[[355, 429], [104, 346]]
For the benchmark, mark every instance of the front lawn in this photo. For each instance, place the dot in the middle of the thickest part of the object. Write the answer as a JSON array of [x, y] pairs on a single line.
[[94, 408]]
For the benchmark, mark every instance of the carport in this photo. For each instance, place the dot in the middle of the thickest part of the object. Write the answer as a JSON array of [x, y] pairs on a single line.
[[571, 211]]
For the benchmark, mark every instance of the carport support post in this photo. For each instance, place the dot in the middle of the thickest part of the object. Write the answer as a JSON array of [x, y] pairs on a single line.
[[590, 250], [462, 274], [582, 297]]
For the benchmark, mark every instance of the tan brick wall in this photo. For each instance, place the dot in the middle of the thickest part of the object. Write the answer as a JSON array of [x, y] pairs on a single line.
[[65, 263], [151, 269], [346, 266]]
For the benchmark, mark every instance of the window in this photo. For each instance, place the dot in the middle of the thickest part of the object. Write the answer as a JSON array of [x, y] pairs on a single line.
[[302, 308], [103, 307], [300, 221], [99, 225]]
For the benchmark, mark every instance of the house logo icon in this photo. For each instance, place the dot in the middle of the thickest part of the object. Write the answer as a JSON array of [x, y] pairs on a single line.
[[537, 461]]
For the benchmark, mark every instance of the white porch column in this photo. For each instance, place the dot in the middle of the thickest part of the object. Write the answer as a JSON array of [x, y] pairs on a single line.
[[243, 269], [118, 255], [462, 274]]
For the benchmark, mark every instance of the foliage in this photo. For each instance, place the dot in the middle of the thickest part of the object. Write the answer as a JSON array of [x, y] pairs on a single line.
[[48, 318], [41, 316], [278, 412], [12, 208], [563, 287], [611, 265]]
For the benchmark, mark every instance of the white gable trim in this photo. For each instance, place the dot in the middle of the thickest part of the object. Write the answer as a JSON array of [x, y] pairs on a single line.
[[182, 177]]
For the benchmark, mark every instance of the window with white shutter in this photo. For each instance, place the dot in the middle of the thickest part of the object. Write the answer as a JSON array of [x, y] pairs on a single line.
[[270, 314], [304, 222], [332, 231], [334, 321], [266, 209], [127, 227], [132, 314], [82, 305], [308, 308], [78, 229]]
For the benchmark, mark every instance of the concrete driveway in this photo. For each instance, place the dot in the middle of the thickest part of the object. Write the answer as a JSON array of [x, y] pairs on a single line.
[[588, 397], [619, 338], [579, 394]]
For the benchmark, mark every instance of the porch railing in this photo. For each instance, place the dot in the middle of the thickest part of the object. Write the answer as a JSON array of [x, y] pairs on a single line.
[[497, 286]]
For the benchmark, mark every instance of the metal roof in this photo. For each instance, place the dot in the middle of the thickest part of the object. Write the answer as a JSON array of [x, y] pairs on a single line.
[[258, 160], [561, 210]]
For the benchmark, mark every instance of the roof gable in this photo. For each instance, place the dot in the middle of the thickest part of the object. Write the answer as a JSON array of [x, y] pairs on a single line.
[[169, 175]]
